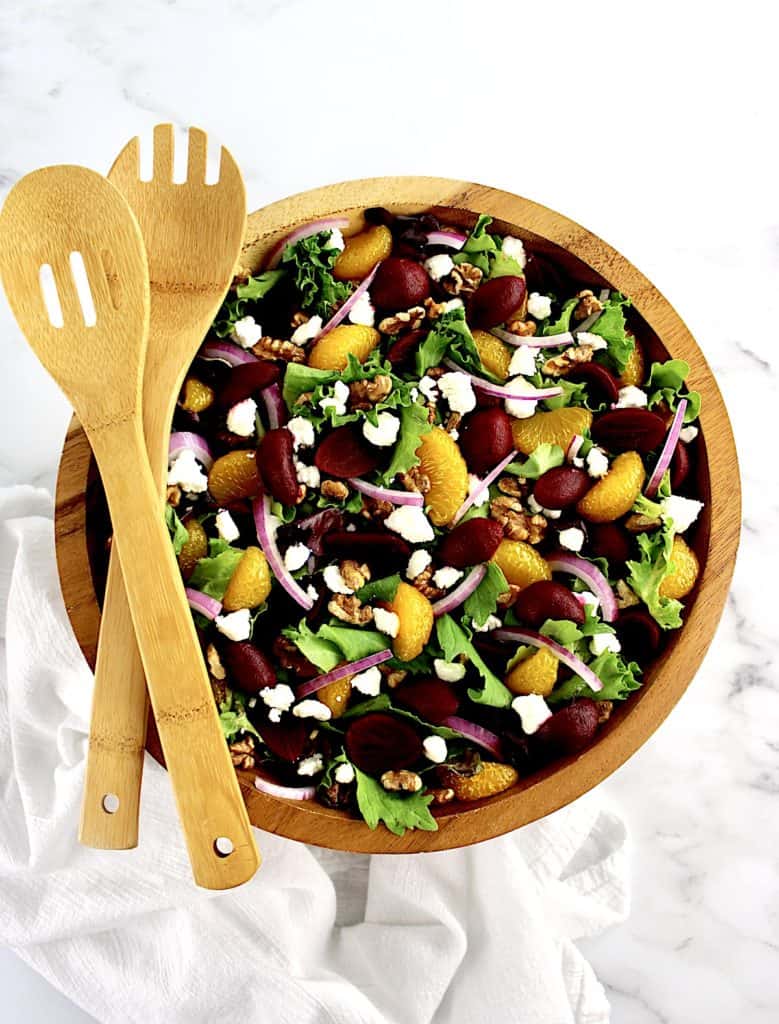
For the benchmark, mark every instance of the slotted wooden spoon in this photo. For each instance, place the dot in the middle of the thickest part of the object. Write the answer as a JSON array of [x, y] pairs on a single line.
[[49, 216], [193, 234]]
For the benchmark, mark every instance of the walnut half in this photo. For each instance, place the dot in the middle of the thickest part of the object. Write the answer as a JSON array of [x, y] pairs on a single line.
[[349, 608], [402, 781]]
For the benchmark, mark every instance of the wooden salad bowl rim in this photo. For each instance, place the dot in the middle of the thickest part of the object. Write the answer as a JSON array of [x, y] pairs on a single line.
[[716, 537]]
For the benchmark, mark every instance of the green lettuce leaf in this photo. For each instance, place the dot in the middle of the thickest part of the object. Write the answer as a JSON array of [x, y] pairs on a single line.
[[563, 322], [564, 631], [212, 574], [646, 575], [233, 718], [484, 600], [379, 590], [382, 702], [502, 265], [258, 287], [398, 811], [479, 246], [666, 384], [619, 680], [354, 643], [413, 426], [322, 653], [311, 260], [300, 379], [610, 326], [454, 641], [234, 309], [450, 336], [573, 394], [542, 459], [177, 530]]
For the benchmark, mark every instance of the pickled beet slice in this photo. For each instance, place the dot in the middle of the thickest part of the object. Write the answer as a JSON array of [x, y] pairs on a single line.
[[247, 667], [379, 742], [399, 284], [680, 465], [373, 547], [610, 541], [547, 599], [485, 439], [598, 379], [568, 731], [496, 301], [639, 635], [626, 430], [276, 464], [345, 453], [562, 486], [286, 739], [405, 346], [429, 699], [245, 380], [471, 542]]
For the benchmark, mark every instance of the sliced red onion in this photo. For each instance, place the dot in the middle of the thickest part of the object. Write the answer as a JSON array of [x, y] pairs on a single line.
[[226, 352], [585, 325], [461, 592], [348, 305], [483, 737], [453, 239], [285, 792], [483, 485], [386, 493], [351, 668], [202, 603], [589, 574], [304, 231], [553, 341], [667, 451], [184, 441], [513, 634], [274, 406], [497, 391], [266, 534], [574, 447]]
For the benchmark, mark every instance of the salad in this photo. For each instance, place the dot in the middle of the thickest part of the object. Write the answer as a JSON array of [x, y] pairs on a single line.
[[430, 505]]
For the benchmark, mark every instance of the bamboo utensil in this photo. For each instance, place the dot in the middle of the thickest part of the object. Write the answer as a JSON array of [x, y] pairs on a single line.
[[63, 218], [193, 234]]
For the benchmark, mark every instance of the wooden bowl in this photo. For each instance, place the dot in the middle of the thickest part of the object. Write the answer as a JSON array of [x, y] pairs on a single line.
[[660, 329]]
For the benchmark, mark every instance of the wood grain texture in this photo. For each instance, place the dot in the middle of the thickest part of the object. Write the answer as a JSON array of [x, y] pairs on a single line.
[[715, 538], [193, 234], [48, 216]]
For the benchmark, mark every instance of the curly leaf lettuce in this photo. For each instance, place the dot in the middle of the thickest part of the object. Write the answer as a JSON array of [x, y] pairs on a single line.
[[542, 459], [450, 336], [311, 261], [253, 290], [177, 530], [484, 251], [414, 425], [212, 574], [666, 384], [646, 575], [398, 811], [455, 641], [484, 600]]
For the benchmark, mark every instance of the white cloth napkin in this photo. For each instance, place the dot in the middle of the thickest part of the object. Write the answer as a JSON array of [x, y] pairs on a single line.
[[480, 934]]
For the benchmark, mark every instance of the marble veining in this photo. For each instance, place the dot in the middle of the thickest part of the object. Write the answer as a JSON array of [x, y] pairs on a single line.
[[657, 133]]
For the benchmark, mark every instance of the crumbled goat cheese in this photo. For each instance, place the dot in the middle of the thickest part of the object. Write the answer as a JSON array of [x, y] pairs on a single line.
[[520, 409], [225, 526], [411, 523], [533, 711], [236, 625], [448, 671], [336, 240], [241, 419], [539, 306], [453, 304], [296, 556], [385, 433], [604, 642], [185, 472], [417, 563], [274, 715], [457, 389], [597, 462], [595, 341], [586, 597], [446, 577], [490, 623], [435, 749], [631, 397], [312, 592], [302, 431], [368, 682], [572, 538], [335, 582], [280, 696], [429, 389], [312, 709], [688, 434], [247, 331], [683, 511], [439, 266], [523, 362], [311, 765], [576, 461], [454, 433], [386, 622], [344, 774], [536, 509], [363, 311], [514, 248], [338, 399], [307, 331], [308, 475]]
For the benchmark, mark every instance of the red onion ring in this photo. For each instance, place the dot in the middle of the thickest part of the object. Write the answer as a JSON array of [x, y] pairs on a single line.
[[483, 485], [202, 603], [574, 446], [589, 574], [185, 441], [553, 341], [667, 452], [284, 792], [226, 352], [348, 305], [304, 231], [340, 671], [513, 634], [477, 733], [386, 493], [461, 592], [538, 395], [453, 239], [267, 539], [274, 406]]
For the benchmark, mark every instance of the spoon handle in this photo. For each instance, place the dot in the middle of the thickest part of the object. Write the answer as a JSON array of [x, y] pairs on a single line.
[[209, 799]]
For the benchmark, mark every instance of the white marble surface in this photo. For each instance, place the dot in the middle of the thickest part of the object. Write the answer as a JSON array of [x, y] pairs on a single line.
[[655, 127]]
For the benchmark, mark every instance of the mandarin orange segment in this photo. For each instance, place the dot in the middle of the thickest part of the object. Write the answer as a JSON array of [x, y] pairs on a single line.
[[193, 549], [555, 427], [196, 396], [250, 583], [442, 463], [535, 674], [336, 695], [333, 351], [492, 778], [634, 370], [615, 493], [680, 581], [362, 252], [520, 563], [494, 353], [234, 476], [416, 622]]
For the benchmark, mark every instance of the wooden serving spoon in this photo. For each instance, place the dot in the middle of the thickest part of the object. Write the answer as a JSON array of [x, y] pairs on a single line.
[[193, 234], [93, 345]]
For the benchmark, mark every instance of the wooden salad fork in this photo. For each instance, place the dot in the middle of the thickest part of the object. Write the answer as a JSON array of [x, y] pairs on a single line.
[[193, 234], [89, 330]]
